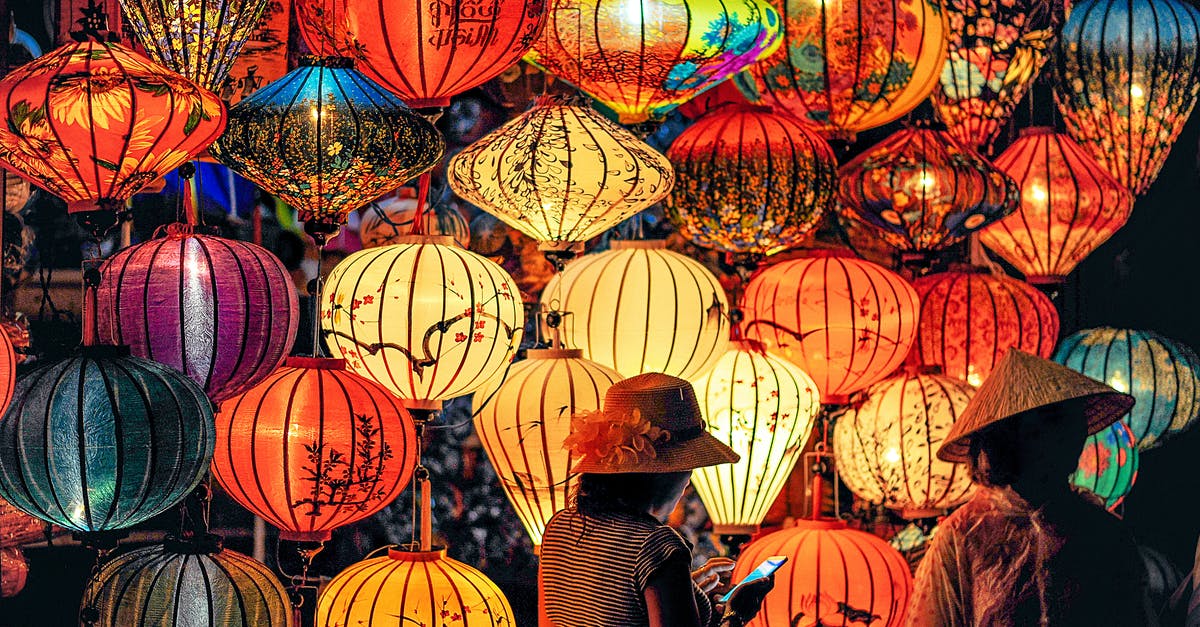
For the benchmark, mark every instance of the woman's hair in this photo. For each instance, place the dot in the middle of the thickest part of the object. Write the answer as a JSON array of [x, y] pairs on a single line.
[[629, 492]]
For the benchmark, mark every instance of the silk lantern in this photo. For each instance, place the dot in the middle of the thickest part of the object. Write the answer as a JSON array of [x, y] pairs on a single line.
[[8, 368], [750, 180], [639, 307], [384, 222], [1069, 206], [14, 571], [1108, 465]]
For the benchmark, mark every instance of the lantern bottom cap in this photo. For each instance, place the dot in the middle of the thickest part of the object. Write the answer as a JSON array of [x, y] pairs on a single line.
[[735, 530], [1045, 279], [912, 513], [305, 536]]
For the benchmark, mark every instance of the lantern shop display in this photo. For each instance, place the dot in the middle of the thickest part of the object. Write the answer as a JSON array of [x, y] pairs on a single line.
[[750, 180], [385, 221], [1108, 465]]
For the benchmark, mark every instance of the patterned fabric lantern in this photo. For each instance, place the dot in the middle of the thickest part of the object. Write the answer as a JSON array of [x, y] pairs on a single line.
[[561, 174], [1069, 206], [94, 123], [1128, 76], [314, 447], [424, 318], [327, 140], [1108, 465], [763, 408], [834, 576], [221, 311], [642, 58], [970, 319], [641, 308], [924, 191], [885, 447], [103, 441], [851, 65], [846, 322], [419, 588], [523, 419], [386, 221], [14, 571], [1162, 374], [750, 180]]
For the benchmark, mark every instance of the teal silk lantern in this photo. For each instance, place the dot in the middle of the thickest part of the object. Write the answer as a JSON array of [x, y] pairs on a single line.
[[1108, 465]]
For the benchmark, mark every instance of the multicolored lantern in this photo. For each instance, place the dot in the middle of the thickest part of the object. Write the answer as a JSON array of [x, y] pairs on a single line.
[[1108, 465], [750, 180], [384, 222]]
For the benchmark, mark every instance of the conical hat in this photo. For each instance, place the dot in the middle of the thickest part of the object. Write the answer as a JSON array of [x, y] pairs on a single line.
[[1022, 382]]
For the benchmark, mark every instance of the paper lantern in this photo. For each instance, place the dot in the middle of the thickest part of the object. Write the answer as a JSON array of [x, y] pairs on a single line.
[[846, 322], [221, 311], [314, 447], [639, 307], [94, 123], [851, 65], [419, 588], [8, 368], [14, 571], [386, 221], [642, 58], [561, 174], [327, 140], [1069, 206], [1128, 72], [424, 318], [750, 180], [1162, 374], [969, 320], [103, 441], [523, 419], [922, 191], [834, 576], [763, 408], [1108, 465]]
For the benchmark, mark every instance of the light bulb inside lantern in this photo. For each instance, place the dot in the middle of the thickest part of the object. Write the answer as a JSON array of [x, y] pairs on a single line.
[[1135, 91], [1037, 192], [631, 12], [973, 377], [1118, 382], [891, 455]]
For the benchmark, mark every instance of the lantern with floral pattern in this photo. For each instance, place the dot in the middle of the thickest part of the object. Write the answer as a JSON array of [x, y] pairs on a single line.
[[1108, 465]]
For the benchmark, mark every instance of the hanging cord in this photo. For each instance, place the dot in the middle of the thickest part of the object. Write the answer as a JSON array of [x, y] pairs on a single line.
[[422, 531], [314, 293]]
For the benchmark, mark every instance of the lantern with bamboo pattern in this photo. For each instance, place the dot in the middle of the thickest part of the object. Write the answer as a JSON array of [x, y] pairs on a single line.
[[1108, 465], [385, 221]]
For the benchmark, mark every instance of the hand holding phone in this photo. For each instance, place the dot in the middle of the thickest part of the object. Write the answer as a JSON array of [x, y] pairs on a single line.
[[764, 570]]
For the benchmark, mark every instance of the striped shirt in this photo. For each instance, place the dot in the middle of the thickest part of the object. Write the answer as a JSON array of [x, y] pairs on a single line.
[[595, 569]]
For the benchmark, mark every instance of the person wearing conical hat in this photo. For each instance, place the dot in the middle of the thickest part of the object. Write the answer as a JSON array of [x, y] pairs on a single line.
[[1028, 550]]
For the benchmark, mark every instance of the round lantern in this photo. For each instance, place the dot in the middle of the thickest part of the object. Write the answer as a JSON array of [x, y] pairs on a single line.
[[763, 408], [922, 191], [846, 322], [221, 311], [970, 319], [327, 140], [386, 221], [561, 174], [102, 441], [750, 180], [8, 368], [639, 307], [1162, 374], [642, 58], [834, 576], [94, 123], [424, 318], [314, 447], [1069, 206], [523, 419], [1128, 76], [418, 588], [1108, 465], [14, 570], [849, 65]]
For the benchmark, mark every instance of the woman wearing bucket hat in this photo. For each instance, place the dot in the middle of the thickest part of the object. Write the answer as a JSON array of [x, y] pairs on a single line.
[[608, 560], [1026, 549]]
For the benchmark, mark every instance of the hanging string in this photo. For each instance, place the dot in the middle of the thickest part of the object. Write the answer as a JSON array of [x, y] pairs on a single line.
[[314, 293], [418, 223]]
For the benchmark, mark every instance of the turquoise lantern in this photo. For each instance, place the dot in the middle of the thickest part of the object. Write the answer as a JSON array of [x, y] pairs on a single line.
[[1108, 465]]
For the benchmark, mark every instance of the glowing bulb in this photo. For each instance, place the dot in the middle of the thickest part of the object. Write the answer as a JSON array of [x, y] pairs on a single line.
[[1117, 382], [973, 377], [927, 180], [1038, 192], [891, 455], [631, 11], [1135, 91]]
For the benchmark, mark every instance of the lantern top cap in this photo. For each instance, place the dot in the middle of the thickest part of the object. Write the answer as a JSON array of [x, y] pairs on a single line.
[[635, 244], [401, 554], [438, 240], [554, 353], [104, 351], [820, 524], [313, 60], [315, 363], [1037, 130]]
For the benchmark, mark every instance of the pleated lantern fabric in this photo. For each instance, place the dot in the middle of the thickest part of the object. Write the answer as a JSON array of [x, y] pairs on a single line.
[[384, 222], [102, 441], [221, 311], [639, 307], [1108, 466], [314, 447]]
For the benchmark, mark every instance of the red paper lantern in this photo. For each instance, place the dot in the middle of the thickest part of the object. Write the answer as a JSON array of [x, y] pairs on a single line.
[[8, 369]]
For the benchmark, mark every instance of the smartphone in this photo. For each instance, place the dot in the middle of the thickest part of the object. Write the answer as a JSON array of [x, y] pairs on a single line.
[[765, 569]]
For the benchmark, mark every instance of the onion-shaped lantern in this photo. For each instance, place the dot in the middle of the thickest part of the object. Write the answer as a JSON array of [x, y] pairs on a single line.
[[1128, 77], [922, 191], [102, 441], [314, 447], [327, 140], [849, 65], [639, 307], [15, 571], [561, 174], [94, 123], [424, 318], [1162, 374], [418, 588], [763, 408], [970, 319], [221, 311], [750, 180], [642, 58], [846, 322], [834, 576], [523, 420], [1108, 465], [384, 222], [1069, 206]]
